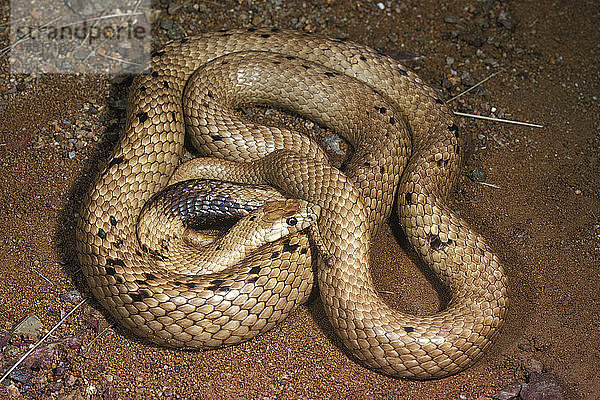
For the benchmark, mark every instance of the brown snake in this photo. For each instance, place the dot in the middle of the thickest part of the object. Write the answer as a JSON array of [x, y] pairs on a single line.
[[378, 105]]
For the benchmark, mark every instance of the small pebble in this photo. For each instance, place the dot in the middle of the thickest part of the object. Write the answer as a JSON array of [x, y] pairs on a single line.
[[166, 24], [506, 20], [72, 296], [466, 79], [30, 327], [13, 391], [334, 142], [91, 390], [21, 375], [174, 34], [451, 19], [536, 366], [70, 381], [80, 55], [511, 392], [542, 387], [477, 175]]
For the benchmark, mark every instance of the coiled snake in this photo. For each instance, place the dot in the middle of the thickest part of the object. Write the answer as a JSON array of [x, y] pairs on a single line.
[[387, 114]]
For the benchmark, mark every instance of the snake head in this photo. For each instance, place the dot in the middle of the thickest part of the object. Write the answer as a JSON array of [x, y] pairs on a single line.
[[277, 219]]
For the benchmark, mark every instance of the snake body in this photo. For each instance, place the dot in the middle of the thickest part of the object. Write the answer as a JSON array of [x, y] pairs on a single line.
[[167, 302]]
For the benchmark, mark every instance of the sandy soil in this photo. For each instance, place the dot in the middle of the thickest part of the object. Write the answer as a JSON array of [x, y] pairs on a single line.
[[542, 215]]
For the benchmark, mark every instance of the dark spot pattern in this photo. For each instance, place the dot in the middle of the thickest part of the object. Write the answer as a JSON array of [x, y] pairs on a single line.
[[112, 220], [158, 255], [265, 35], [409, 329], [158, 53], [154, 74], [330, 74], [254, 270], [434, 241], [453, 128], [216, 137], [135, 296], [382, 110], [142, 89], [111, 262], [118, 243], [115, 161], [190, 285], [363, 58], [165, 84], [289, 248], [101, 234], [209, 94], [215, 288], [408, 198], [149, 276], [275, 30], [110, 271], [290, 57], [382, 169], [142, 117], [438, 101], [367, 164], [402, 72], [275, 255], [184, 40], [392, 121], [327, 259], [251, 29]]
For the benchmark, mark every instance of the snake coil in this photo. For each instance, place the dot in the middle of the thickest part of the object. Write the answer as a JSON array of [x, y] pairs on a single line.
[[406, 146]]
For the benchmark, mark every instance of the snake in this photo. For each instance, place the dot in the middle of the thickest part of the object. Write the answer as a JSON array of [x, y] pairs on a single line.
[[407, 148]]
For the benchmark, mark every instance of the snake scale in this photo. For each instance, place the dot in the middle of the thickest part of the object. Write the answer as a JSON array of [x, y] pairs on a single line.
[[407, 146]]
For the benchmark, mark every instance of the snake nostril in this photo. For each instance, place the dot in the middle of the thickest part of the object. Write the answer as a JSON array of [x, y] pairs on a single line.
[[291, 221]]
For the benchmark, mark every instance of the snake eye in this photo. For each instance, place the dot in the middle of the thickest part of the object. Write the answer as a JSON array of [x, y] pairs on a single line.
[[291, 221]]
